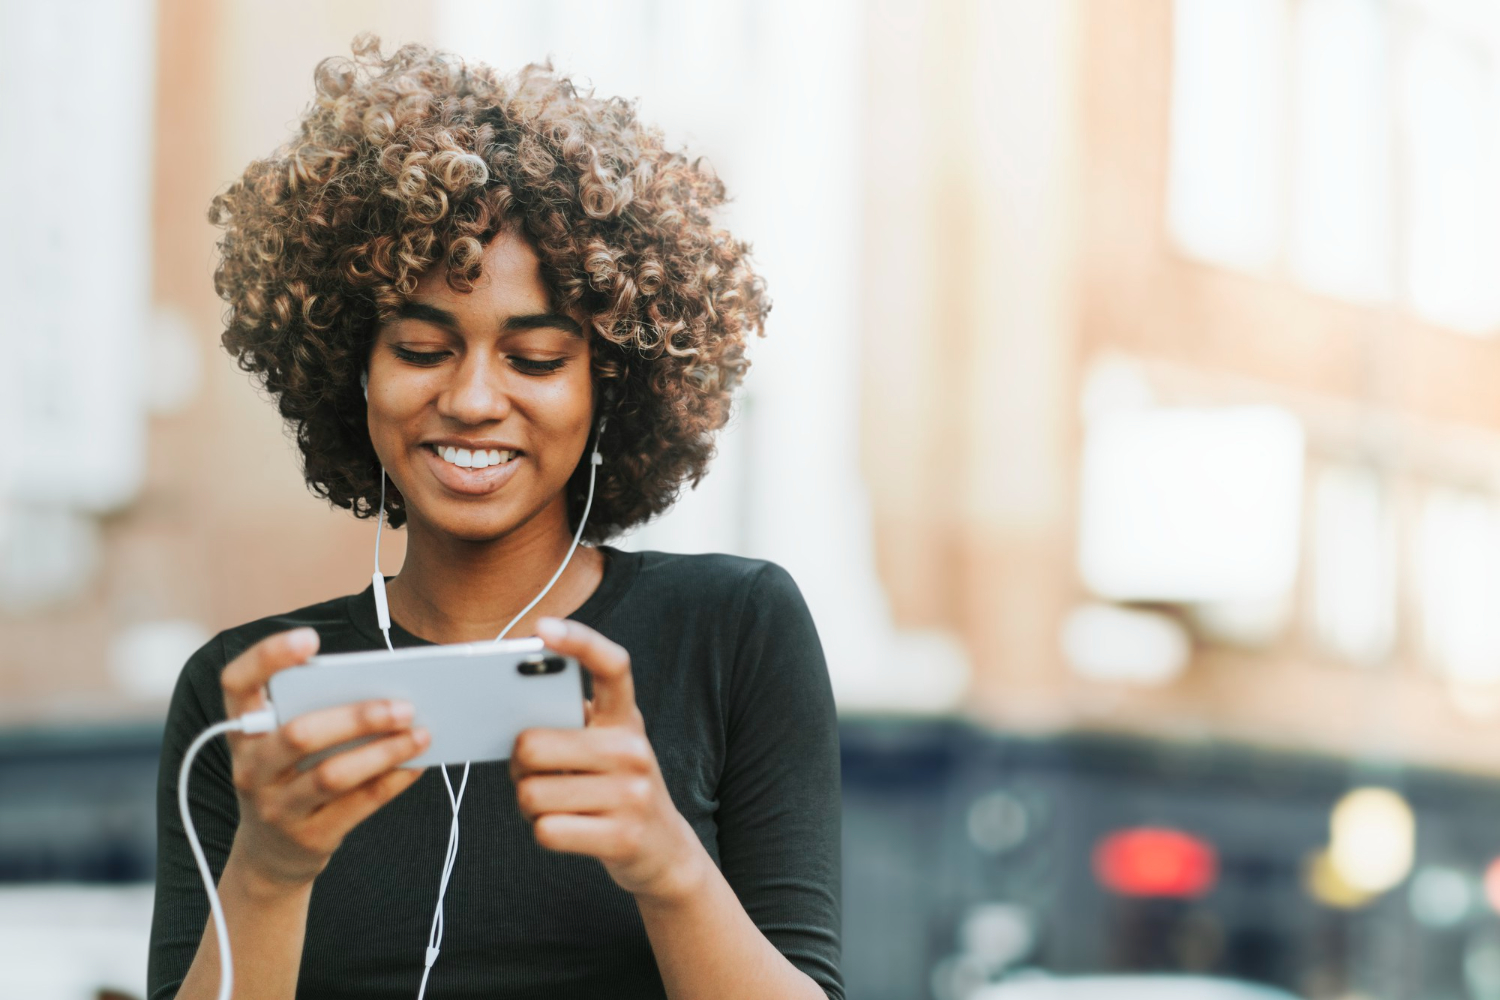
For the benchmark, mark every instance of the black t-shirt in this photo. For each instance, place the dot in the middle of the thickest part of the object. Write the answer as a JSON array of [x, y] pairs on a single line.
[[730, 678]]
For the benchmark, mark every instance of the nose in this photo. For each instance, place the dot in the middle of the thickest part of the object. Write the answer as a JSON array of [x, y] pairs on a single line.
[[476, 394]]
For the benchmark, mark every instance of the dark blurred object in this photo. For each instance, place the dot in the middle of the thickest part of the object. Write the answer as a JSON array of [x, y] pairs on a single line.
[[78, 804], [968, 858], [115, 995]]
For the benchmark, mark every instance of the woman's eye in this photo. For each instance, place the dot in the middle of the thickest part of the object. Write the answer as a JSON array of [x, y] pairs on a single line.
[[419, 357], [531, 366]]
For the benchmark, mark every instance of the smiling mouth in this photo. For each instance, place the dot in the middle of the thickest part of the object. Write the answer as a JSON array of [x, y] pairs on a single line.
[[477, 459]]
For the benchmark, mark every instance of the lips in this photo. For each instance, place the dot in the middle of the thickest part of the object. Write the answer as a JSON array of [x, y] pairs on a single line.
[[470, 481]]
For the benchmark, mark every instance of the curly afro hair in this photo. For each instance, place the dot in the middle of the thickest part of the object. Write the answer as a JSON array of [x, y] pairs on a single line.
[[418, 159]]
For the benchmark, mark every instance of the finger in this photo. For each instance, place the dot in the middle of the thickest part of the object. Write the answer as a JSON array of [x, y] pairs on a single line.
[[607, 662], [348, 769], [335, 819], [612, 749], [603, 837], [539, 794], [313, 732], [245, 678]]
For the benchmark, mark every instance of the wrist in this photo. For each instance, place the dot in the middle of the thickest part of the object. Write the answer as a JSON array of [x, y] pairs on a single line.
[[256, 884], [684, 878]]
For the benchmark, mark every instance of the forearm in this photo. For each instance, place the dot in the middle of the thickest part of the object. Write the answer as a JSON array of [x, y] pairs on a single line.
[[706, 945], [267, 926]]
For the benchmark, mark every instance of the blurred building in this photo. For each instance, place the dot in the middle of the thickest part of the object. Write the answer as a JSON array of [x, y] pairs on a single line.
[[1179, 398], [1026, 281], [1032, 254]]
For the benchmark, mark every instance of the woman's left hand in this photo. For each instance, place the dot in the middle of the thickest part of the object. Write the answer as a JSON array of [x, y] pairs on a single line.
[[598, 790]]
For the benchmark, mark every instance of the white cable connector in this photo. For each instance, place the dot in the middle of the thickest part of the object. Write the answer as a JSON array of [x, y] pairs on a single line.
[[382, 606], [262, 721]]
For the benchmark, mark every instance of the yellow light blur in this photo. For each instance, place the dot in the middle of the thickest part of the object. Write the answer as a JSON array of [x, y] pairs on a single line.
[[1322, 881], [1373, 837]]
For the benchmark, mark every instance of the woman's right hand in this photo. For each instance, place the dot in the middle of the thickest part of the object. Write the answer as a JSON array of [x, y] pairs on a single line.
[[292, 820]]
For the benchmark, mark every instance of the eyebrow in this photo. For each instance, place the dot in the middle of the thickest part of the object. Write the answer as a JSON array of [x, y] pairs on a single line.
[[536, 321], [532, 321]]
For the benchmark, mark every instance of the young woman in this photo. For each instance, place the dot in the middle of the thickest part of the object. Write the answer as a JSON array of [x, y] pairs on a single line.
[[453, 285]]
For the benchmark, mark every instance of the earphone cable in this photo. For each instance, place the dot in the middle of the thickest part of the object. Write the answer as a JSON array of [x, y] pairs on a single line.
[[262, 721], [595, 460], [435, 937]]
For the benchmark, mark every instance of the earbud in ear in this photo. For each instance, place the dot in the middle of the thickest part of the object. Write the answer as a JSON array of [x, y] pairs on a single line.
[[364, 383]]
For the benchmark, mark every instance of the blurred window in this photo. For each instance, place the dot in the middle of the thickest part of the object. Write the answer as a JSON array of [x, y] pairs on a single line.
[[1366, 202], [1340, 241], [1354, 565], [1191, 505], [1450, 114], [76, 287], [1458, 570], [1224, 194]]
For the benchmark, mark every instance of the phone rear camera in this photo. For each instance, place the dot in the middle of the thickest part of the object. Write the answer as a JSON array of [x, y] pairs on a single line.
[[537, 666]]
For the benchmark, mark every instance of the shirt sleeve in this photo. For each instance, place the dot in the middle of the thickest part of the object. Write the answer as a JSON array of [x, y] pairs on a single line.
[[779, 808], [181, 909]]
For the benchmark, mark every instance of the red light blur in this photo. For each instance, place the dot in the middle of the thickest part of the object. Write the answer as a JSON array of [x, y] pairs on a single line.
[[1155, 862], [1492, 885]]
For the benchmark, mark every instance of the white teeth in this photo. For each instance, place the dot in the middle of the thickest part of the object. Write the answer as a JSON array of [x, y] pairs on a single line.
[[477, 459]]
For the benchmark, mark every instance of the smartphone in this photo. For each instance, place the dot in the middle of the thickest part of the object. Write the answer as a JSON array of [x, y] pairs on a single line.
[[473, 698]]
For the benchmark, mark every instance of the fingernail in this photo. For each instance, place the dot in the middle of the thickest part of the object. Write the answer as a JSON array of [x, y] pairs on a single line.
[[420, 735], [303, 640], [551, 629], [401, 711]]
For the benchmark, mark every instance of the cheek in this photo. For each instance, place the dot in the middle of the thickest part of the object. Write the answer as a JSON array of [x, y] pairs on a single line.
[[390, 410], [560, 409]]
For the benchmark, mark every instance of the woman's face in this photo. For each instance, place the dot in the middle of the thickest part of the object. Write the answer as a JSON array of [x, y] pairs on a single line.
[[481, 402]]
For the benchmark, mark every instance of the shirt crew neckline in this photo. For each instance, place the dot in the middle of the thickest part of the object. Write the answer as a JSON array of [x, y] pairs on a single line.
[[620, 569]]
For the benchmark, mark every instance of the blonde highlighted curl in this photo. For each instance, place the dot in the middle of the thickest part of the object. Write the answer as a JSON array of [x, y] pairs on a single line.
[[417, 160]]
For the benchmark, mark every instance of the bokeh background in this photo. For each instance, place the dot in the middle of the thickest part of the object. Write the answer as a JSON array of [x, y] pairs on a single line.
[[1129, 415]]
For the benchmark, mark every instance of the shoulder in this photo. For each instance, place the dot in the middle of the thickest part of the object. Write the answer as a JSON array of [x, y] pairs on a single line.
[[721, 597], [714, 578]]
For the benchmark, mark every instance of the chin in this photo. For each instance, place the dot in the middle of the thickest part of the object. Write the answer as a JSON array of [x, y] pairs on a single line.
[[475, 526], [473, 522]]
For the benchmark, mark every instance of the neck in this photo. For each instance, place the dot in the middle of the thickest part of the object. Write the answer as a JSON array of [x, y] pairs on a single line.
[[453, 590]]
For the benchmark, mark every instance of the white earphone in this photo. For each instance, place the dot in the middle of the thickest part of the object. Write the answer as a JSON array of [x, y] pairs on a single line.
[[383, 619], [265, 721]]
